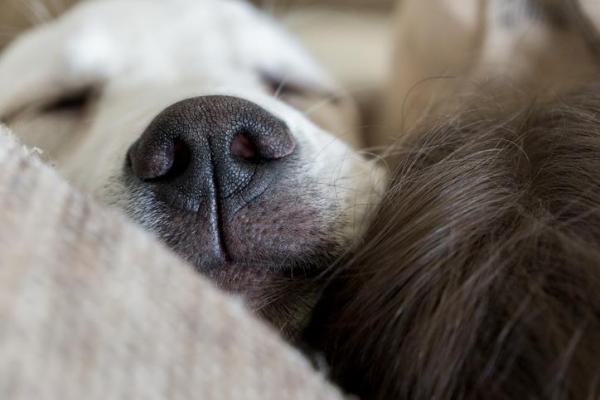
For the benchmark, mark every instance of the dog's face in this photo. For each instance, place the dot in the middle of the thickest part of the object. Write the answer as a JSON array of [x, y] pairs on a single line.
[[188, 115]]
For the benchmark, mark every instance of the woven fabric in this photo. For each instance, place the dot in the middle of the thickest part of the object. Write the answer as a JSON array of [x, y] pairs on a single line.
[[91, 307]]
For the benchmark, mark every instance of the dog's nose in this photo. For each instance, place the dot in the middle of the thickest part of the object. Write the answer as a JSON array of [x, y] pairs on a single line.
[[212, 146]]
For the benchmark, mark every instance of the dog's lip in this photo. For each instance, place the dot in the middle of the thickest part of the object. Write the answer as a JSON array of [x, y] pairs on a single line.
[[221, 261], [218, 260]]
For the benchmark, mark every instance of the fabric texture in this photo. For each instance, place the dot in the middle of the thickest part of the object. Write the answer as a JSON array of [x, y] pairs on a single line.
[[91, 307]]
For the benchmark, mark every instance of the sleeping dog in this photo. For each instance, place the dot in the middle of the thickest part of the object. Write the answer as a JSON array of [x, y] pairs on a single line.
[[477, 276], [189, 116]]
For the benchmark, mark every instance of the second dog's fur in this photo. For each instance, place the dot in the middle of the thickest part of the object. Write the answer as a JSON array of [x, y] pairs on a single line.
[[481, 274], [480, 277]]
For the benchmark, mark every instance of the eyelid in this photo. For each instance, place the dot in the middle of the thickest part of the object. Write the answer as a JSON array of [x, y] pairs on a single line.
[[71, 101], [281, 86]]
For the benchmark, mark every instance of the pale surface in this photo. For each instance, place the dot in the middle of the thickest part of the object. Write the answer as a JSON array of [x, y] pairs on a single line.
[[93, 308]]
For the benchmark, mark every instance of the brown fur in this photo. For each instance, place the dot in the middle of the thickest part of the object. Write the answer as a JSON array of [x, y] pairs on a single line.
[[480, 277]]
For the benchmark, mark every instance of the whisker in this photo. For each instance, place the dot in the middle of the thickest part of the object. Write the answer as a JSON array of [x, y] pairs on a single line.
[[282, 83]]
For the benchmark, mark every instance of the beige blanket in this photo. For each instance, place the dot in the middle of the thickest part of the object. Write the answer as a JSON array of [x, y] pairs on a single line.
[[91, 308]]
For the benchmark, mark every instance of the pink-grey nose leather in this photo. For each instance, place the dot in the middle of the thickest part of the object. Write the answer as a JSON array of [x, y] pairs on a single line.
[[211, 147]]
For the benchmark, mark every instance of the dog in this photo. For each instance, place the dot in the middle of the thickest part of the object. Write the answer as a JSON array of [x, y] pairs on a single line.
[[188, 116], [473, 275]]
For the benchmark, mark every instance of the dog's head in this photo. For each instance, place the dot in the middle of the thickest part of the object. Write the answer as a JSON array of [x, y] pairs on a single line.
[[192, 116]]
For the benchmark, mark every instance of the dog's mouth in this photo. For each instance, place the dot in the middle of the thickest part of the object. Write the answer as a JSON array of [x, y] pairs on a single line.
[[274, 234]]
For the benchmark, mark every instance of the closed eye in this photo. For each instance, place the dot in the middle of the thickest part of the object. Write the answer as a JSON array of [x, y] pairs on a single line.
[[73, 102], [280, 87], [290, 91]]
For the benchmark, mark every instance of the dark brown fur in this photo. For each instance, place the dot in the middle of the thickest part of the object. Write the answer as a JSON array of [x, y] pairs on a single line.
[[480, 277]]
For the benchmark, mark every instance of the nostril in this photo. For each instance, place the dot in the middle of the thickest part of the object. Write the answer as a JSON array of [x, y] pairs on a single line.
[[152, 162], [243, 147], [265, 145], [182, 157], [254, 145]]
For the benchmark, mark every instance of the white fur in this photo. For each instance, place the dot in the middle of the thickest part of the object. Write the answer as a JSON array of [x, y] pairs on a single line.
[[145, 55]]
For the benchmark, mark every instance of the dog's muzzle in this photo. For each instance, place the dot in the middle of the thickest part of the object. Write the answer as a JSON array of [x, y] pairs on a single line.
[[211, 156]]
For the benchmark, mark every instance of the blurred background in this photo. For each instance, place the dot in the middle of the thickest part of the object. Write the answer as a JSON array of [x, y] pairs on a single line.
[[351, 38]]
